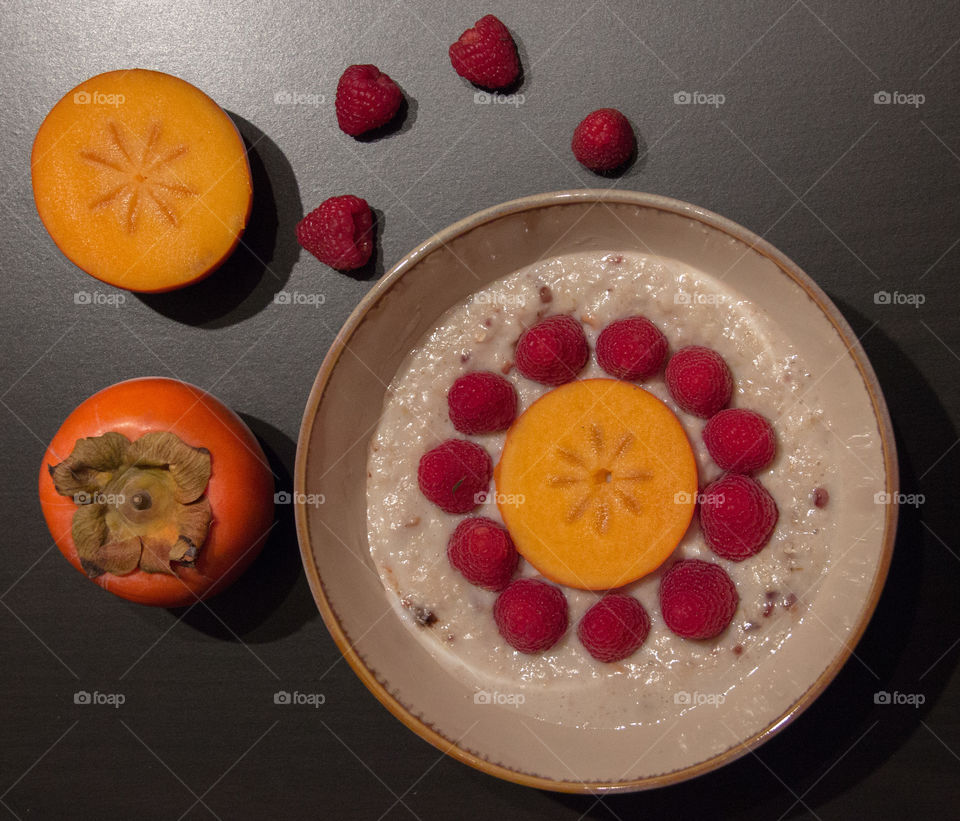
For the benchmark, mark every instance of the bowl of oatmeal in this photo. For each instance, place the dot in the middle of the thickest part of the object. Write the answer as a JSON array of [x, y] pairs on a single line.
[[424, 640]]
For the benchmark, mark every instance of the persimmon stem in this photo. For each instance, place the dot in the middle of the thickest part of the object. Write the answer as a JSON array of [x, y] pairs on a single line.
[[141, 501]]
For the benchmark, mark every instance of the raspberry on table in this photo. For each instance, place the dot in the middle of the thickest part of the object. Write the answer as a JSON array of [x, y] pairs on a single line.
[[604, 141], [366, 99], [740, 440], [339, 232], [553, 351], [697, 599], [633, 348], [482, 402], [486, 55], [531, 615], [483, 552], [737, 516], [699, 380], [455, 475], [614, 627]]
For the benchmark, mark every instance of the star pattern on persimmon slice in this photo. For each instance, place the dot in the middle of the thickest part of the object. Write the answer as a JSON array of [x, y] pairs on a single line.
[[602, 477], [139, 175]]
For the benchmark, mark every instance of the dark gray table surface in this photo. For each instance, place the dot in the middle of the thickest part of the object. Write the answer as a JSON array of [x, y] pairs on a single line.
[[862, 195]]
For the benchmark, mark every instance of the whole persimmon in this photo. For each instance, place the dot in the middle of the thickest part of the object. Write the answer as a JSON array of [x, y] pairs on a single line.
[[157, 491]]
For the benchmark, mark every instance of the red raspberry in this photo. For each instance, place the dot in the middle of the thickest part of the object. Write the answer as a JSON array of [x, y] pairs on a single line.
[[339, 232], [632, 348], [740, 440], [486, 55], [737, 516], [482, 402], [553, 351], [454, 474], [697, 599], [604, 140], [483, 552], [699, 380], [366, 99], [531, 615], [614, 627]]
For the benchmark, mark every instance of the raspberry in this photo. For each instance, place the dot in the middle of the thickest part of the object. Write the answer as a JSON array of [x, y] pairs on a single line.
[[697, 599], [553, 351], [483, 552], [454, 474], [632, 348], [531, 615], [740, 440], [366, 99], [486, 55], [614, 627], [699, 380], [481, 402], [339, 232], [603, 141], [737, 516]]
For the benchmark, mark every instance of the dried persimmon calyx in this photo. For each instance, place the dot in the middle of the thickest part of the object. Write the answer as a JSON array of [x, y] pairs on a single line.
[[141, 504]]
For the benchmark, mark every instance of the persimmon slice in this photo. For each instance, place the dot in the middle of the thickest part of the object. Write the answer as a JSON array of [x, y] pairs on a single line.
[[597, 483], [141, 180]]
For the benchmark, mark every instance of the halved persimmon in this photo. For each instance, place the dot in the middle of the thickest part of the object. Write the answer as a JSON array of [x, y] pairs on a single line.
[[597, 483], [157, 491], [141, 180]]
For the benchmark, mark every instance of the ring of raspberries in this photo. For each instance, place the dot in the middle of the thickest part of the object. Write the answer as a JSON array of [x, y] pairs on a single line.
[[737, 516]]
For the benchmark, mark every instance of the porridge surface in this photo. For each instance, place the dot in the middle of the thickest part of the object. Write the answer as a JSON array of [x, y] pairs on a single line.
[[408, 534]]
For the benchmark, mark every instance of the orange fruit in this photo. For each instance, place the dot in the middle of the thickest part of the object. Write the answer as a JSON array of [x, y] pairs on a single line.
[[597, 483], [141, 180]]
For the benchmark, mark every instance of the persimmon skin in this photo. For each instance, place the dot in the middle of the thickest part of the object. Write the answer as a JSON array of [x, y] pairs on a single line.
[[240, 489]]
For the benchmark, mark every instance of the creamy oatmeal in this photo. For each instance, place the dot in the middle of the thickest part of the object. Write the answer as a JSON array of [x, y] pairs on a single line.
[[453, 619]]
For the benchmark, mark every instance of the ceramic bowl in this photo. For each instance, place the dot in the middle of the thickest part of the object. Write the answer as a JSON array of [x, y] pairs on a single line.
[[343, 410]]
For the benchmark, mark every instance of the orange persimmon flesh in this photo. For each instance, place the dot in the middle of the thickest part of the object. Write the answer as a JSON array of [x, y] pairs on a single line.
[[597, 483], [141, 180]]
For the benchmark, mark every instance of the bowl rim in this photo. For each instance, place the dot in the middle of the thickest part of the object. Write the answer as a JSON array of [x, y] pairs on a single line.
[[711, 220]]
